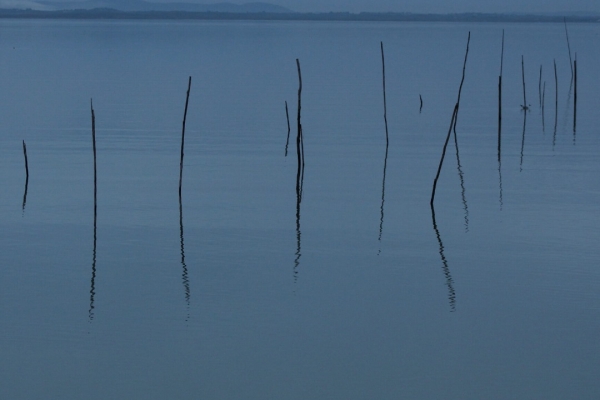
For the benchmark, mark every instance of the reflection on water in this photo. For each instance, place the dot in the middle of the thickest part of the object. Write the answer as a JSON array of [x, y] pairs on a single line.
[[462, 181], [445, 268], [93, 279], [184, 273], [523, 139]]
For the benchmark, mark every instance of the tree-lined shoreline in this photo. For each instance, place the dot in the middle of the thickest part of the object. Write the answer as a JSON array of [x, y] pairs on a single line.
[[111, 14]]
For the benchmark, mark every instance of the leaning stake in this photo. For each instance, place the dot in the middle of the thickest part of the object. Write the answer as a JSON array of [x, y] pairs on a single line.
[[452, 124], [187, 98]]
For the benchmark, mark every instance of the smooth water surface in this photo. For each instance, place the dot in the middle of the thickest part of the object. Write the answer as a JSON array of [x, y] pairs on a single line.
[[242, 293]]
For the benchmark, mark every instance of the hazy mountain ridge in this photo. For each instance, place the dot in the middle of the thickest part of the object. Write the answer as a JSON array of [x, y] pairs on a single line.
[[141, 6]]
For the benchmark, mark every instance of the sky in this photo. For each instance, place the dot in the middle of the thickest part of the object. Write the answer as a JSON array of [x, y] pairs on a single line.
[[433, 6], [420, 6]]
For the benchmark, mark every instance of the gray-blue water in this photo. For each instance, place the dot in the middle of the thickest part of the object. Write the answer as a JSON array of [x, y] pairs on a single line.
[[244, 296]]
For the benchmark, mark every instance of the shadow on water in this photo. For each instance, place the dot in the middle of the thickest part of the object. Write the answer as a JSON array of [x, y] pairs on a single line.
[[93, 279], [387, 145], [26, 177], [445, 268], [462, 181]]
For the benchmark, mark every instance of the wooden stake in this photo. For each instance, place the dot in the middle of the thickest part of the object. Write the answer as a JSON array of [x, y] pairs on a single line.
[[287, 115], [452, 124], [299, 138], [575, 98], [569, 47], [524, 106], [187, 98], [387, 139]]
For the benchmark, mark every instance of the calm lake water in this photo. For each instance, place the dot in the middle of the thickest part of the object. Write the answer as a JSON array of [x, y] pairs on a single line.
[[242, 293]]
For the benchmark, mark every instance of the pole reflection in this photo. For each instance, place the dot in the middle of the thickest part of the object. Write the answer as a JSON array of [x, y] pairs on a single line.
[[445, 268]]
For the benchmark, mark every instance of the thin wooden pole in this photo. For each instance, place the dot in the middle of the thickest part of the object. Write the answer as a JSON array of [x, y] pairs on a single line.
[[452, 124], [93, 279], [543, 107], [524, 106], [462, 81], [500, 98], [287, 142], [94, 150], [299, 138], [187, 98], [387, 139], [540, 87], [26, 176], [26, 164], [569, 47], [437, 176], [575, 98]]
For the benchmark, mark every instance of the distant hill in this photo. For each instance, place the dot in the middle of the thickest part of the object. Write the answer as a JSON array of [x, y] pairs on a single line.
[[141, 5]]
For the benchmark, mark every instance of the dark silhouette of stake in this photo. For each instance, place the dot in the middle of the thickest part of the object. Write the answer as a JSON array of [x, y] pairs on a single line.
[[421, 106], [187, 98], [387, 143], [299, 137], [26, 175], [462, 81], [93, 280], [452, 124], [569, 48], [500, 119], [299, 175], [555, 104], [184, 273], [287, 115], [540, 87], [544, 107], [575, 99], [525, 107], [387, 139]]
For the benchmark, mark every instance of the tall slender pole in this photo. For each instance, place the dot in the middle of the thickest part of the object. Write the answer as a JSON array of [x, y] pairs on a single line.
[[555, 104], [287, 142], [524, 106], [575, 98], [187, 98], [93, 279], [569, 47], [452, 124], [26, 175], [387, 139], [540, 87], [299, 138]]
